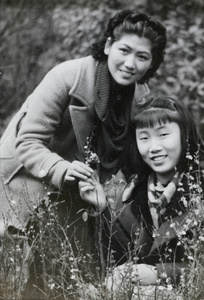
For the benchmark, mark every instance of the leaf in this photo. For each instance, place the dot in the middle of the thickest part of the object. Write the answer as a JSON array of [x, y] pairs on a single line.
[[85, 216]]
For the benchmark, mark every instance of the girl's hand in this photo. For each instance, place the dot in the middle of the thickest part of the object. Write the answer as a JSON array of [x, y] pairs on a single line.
[[92, 192], [131, 273], [145, 274], [77, 170]]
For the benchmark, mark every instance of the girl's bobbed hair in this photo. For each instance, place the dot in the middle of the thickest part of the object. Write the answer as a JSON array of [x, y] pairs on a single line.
[[141, 24], [160, 111]]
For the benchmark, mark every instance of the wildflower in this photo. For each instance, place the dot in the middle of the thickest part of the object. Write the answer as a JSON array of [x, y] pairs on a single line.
[[85, 216], [74, 270], [161, 288], [163, 275], [135, 259], [155, 234], [172, 225], [167, 234], [51, 286], [18, 249], [188, 156], [91, 158], [185, 203], [190, 257], [11, 260], [180, 189], [201, 238], [169, 287]]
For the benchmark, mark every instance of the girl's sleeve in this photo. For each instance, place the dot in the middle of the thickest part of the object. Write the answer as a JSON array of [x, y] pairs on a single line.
[[172, 271]]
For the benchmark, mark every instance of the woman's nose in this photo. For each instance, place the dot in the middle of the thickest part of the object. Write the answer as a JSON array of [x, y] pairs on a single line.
[[130, 62]]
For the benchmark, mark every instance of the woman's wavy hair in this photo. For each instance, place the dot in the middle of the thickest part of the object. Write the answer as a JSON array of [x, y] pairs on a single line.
[[163, 110], [130, 22]]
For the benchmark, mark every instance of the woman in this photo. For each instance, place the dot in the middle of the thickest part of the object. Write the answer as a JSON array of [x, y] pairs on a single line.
[[154, 219], [43, 147]]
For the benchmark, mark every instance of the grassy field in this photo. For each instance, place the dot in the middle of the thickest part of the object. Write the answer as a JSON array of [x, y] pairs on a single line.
[[47, 262]]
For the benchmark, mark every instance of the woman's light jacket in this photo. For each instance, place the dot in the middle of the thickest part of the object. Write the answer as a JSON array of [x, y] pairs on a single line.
[[51, 128]]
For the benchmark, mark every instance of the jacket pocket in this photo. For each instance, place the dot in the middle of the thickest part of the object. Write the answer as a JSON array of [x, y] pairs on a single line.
[[9, 168], [9, 164], [7, 142]]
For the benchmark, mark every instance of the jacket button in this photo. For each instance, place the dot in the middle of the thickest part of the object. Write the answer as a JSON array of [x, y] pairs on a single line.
[[42, 173]]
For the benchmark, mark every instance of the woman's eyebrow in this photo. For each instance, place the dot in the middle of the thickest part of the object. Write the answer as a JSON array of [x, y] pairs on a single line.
[[124, 44], [140, 50]]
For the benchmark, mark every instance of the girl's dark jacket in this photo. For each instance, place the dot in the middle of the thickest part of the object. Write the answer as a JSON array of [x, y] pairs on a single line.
[[130, 229]]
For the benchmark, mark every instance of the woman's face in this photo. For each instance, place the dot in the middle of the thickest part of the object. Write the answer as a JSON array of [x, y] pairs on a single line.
[[129, 58], [160, 148]]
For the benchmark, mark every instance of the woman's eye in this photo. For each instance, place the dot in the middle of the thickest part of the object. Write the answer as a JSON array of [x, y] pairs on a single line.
[[142, 57], [123, 50]]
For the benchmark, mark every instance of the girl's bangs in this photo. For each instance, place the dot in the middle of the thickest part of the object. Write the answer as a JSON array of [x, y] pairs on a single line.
[[150, 117]]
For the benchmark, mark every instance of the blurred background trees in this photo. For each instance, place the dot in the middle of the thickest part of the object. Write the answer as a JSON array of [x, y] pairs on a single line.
[[38, 34]]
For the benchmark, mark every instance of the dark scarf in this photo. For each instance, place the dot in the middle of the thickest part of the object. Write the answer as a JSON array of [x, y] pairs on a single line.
[[112, 105], [160, 196]]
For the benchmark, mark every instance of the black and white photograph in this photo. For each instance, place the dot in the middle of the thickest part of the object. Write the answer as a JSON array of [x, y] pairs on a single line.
[[101, 150]]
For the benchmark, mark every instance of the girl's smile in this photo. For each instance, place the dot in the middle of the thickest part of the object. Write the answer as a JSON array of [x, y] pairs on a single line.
[[160, 147]]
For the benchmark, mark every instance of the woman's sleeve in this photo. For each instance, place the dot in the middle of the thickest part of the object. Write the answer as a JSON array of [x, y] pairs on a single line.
[[45, 108]]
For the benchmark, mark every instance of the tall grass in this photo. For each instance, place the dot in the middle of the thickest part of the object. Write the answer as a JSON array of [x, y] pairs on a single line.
[[51, 262]]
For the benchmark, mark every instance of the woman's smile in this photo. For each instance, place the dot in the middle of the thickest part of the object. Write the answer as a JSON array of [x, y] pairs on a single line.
[[126, 72], [129, 58]]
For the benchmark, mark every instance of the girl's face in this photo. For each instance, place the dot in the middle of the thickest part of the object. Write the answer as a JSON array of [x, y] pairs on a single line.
[[160, 148], [129, 58]]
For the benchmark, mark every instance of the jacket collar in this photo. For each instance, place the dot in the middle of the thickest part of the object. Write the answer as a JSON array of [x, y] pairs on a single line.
[[84, 84], [83, 87]]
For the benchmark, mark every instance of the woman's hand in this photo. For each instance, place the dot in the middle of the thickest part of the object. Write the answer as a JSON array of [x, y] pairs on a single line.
[[78, 170], [92, 192]]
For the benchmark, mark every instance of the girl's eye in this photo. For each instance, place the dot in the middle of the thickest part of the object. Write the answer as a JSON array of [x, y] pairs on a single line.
[[164, 134], [143, 138]]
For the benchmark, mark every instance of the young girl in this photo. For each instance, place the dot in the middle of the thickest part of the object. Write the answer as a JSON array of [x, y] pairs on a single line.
[[145, 223]]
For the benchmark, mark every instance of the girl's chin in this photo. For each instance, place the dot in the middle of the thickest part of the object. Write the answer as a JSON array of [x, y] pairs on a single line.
[[165, 177]]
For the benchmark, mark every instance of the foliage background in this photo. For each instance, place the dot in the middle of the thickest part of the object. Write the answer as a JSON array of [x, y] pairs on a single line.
[[38, 34]]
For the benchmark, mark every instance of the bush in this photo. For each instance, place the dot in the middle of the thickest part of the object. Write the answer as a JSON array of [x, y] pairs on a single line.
[[38, 35], [181, 74]]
